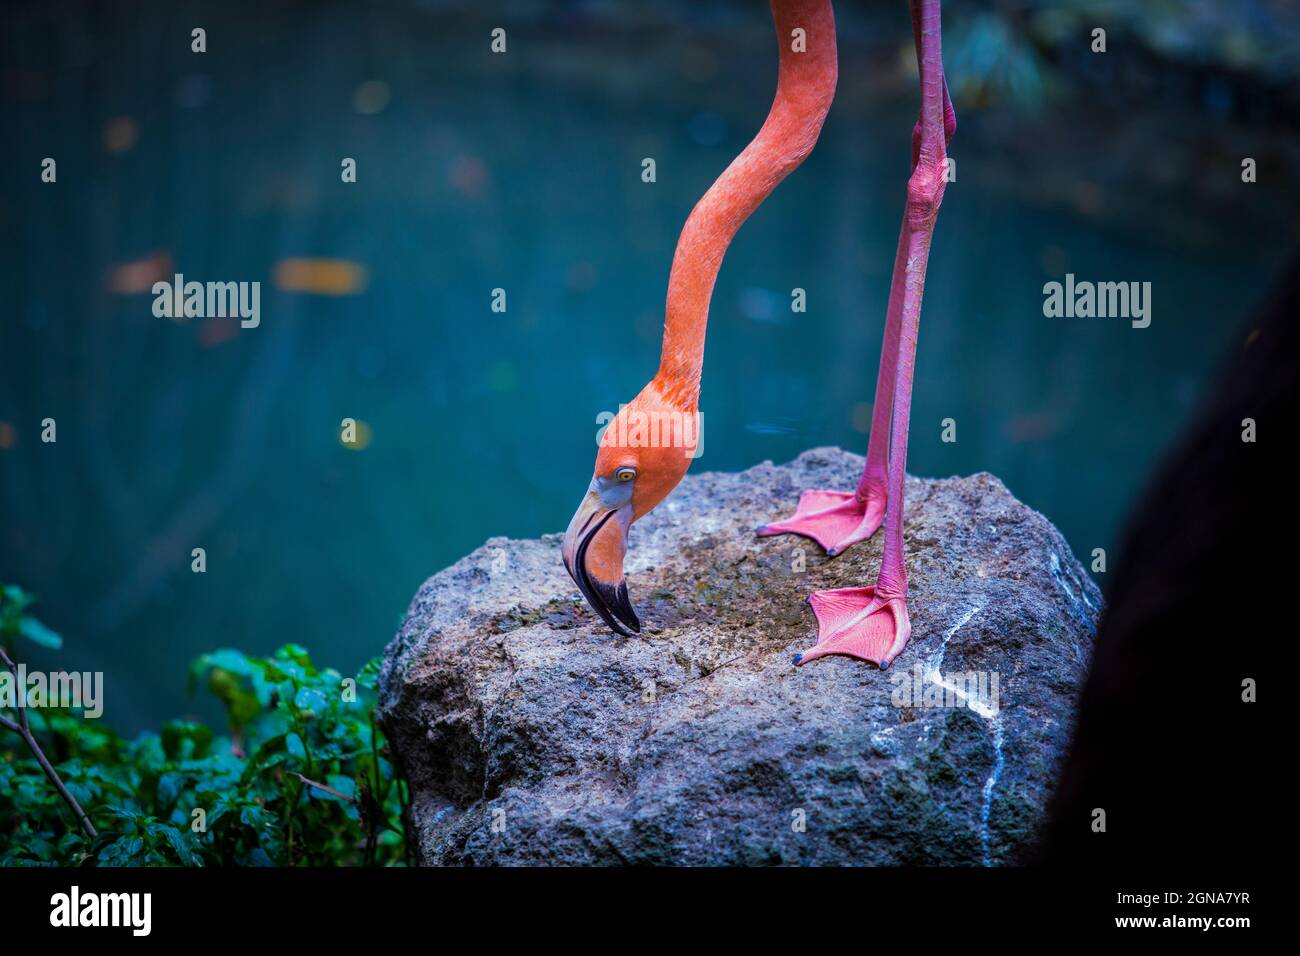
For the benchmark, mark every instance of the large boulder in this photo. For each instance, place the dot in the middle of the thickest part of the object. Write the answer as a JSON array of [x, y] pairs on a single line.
[[533, 735]]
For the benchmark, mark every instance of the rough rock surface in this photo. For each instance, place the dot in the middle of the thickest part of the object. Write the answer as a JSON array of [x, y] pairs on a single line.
[[532, 735]]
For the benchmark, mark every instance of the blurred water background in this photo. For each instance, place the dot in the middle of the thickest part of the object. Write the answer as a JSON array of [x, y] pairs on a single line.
[[522, 171]]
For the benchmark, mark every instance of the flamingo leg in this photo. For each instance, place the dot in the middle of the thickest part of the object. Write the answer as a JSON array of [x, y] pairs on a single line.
[[839, 519], [871, 623]]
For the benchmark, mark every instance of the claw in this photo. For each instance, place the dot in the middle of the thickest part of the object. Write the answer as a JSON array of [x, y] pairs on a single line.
[[857, 622], [834, 519]]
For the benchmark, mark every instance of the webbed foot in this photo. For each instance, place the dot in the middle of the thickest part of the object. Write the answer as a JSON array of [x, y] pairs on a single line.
[[857, 622], [834, 519]]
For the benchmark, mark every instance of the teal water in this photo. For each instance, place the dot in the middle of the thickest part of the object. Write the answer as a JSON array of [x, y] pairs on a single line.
[[474, 176]]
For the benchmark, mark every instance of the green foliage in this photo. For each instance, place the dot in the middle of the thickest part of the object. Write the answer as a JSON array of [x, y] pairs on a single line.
[[301, 779], [15, 622]]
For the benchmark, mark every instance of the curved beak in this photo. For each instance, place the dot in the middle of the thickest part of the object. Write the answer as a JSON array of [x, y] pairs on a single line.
[[593, 552]]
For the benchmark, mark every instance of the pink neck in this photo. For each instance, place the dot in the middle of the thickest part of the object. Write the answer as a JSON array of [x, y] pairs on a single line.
[[805, 86]]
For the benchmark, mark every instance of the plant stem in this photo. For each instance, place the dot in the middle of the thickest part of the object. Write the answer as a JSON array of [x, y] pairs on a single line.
[[321, 786], [23, 730]]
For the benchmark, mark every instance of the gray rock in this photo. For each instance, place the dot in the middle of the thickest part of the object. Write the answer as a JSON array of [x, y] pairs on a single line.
[[532, 735]]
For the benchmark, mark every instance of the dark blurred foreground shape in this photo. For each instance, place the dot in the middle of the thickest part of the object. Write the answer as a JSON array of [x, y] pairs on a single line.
[[1165, 743]]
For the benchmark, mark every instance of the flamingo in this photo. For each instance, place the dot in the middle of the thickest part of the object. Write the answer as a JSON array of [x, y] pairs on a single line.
[[633, 475]]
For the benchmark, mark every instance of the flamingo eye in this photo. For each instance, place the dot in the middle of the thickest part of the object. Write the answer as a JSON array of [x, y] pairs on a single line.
[[625, 474]]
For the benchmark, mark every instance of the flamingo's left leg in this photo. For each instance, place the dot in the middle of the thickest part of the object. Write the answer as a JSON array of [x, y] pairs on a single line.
[[838, 519], [871, 623]]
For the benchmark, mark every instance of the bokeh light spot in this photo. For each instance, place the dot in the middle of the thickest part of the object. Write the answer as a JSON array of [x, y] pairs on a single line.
[[121, 134], [361, 435], [468, 175], [139, 275], [320, 276], [371, 97]]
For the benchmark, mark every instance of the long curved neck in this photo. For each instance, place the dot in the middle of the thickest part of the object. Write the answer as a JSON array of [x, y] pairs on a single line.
[[805, 86]]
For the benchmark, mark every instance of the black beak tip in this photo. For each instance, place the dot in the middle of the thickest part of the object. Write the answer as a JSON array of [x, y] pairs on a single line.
[[609, 601], [615, 601]]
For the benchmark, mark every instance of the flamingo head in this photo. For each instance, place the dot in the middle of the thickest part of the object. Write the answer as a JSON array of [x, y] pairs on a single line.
[[644, 452]]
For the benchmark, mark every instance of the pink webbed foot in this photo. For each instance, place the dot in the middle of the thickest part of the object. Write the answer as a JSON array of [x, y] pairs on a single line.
[[856, 622], [834, 519]]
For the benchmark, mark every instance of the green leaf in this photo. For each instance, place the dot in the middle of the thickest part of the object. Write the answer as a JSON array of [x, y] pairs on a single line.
[[124, 812], [368, 676], [226, 659], [268, 755], [311, 701], [186, 740], [296, 653], [257, 857], [169, 789], [179, 843], [343, 784], [255, 817], [125, 851], [16, 596], [38, 633]]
